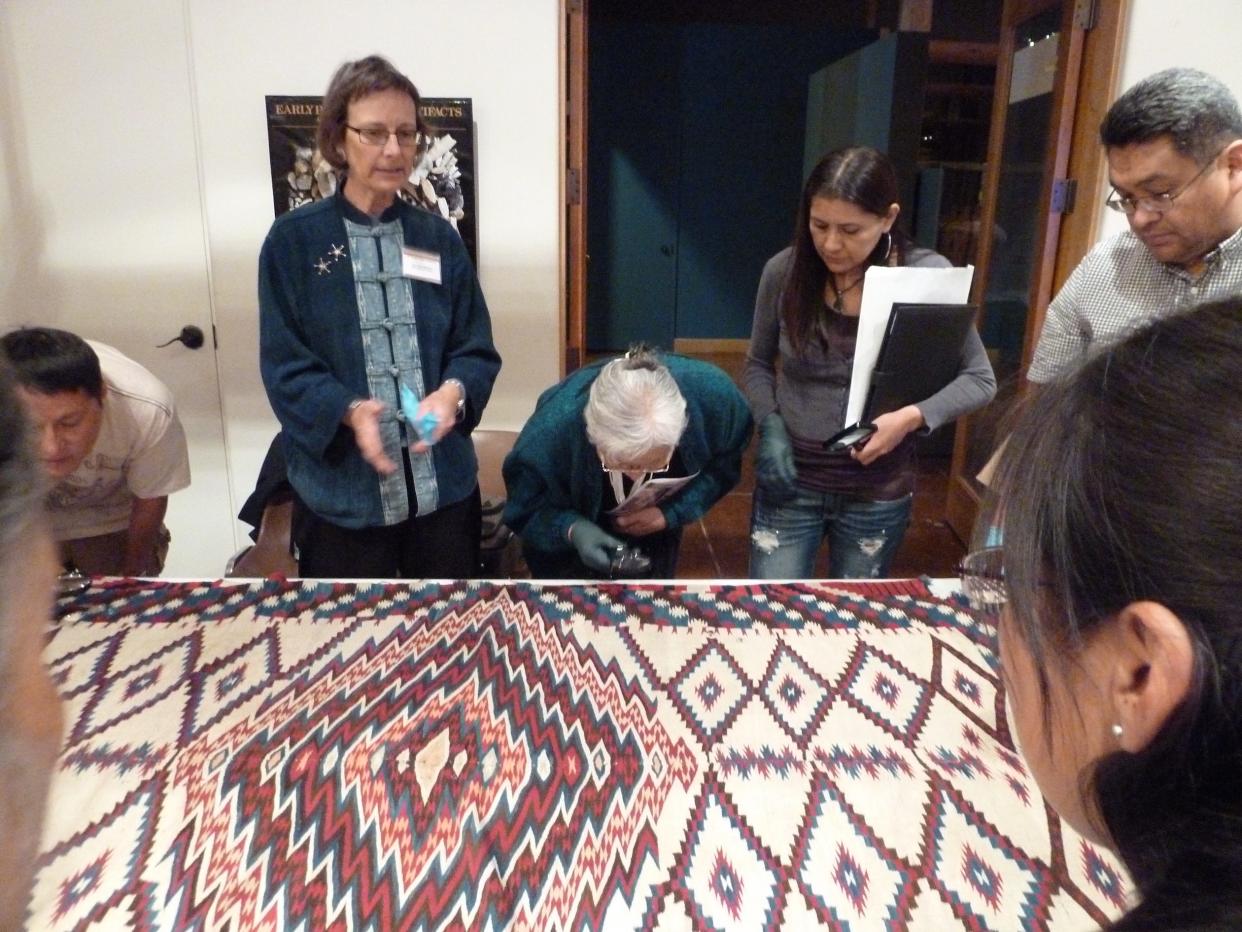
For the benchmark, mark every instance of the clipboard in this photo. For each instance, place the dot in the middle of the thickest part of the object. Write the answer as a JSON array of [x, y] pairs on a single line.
[[921, 354]]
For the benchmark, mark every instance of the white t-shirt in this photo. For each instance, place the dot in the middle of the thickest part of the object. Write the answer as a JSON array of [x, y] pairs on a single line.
[[140, 453]]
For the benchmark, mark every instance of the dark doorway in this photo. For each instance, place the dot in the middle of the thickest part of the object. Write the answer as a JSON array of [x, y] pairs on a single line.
[[697, 130], [695, 148]]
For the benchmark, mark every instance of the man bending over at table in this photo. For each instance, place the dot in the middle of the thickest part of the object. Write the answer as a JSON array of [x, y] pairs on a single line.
[[109, 440]]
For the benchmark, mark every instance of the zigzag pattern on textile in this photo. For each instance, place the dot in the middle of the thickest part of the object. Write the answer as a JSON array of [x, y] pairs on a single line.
[[277, 754]]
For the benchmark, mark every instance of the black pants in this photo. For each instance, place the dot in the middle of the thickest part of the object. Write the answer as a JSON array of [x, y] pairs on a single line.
[[441, 545], [662, 547]]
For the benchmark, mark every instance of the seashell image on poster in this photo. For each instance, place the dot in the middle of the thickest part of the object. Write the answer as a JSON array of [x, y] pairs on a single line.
[[443, 180]]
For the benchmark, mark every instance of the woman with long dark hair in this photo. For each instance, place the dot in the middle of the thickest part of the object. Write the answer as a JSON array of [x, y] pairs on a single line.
[[806, 319], [1119, 590]]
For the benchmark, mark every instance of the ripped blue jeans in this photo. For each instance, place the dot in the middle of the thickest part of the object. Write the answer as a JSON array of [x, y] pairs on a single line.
[[862, 536]]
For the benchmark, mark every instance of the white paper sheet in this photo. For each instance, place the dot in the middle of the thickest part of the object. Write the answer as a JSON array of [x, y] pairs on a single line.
[[648, 493], [882, 287]]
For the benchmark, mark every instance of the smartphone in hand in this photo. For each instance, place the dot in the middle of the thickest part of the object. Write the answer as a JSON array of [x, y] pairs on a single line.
[[853, 436]]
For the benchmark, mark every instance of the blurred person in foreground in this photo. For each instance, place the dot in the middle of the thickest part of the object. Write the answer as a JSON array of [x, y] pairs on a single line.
[[30, 709]]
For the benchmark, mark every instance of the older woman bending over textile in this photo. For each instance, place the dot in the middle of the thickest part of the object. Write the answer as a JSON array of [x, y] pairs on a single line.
[[623, 455]]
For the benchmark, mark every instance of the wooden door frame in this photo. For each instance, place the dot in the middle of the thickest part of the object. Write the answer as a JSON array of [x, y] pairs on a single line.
[[574, 256], [1092, 55], [1097, 52], [1097, 89]]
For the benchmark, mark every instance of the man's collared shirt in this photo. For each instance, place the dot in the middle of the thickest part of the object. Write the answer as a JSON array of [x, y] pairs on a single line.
[[1117, 289]]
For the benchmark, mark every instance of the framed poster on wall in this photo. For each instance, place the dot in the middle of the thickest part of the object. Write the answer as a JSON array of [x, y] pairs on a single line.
[[443, 180]]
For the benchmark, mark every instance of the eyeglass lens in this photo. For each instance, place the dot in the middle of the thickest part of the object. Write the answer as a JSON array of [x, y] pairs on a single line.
[[983, 579], [379, 135]]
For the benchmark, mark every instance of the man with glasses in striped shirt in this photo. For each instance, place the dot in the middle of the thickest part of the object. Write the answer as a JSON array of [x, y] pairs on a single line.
[[1174, 149]]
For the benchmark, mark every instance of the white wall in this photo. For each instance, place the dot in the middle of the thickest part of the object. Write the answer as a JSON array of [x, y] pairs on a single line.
[[502, 54], [102, 220], [135, 189], [1204, 34]]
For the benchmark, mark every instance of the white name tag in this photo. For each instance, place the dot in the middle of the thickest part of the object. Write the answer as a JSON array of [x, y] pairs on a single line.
[[420, 264]]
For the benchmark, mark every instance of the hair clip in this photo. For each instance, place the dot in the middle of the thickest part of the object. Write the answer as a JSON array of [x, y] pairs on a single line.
[[641, 356]]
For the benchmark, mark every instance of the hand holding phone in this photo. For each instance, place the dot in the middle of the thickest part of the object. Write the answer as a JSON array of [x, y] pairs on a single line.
[[853, 436]]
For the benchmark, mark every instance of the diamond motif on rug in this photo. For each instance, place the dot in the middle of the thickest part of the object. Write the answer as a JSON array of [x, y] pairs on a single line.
[[103, 867], [1102, 875], [848, 875], [710, 691], [979, 872], [125, 693], [223, 684], [436, 789], [797, 697], [74, 672], [885, 692], [974, 690], [729, 880]]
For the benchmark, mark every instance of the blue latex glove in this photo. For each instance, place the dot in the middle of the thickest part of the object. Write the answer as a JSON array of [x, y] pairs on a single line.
[[424, 424], [595, 547], [774, 463]]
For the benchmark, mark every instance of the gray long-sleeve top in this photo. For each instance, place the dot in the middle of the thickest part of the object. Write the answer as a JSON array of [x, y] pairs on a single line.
[[811, 389]]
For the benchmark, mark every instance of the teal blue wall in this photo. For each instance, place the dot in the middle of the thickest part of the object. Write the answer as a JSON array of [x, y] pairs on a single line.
[[873, 98], [696, 142], [633, 144]]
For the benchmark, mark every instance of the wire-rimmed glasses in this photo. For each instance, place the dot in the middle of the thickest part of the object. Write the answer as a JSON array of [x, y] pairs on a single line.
[[1156, 203], [983, 580], [630, 469], [379, 135]]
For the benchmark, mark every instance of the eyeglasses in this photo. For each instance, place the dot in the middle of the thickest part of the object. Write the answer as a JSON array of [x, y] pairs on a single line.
[[1156, 203], [636, 467], [624, 469], [378, 135], [983, 580]]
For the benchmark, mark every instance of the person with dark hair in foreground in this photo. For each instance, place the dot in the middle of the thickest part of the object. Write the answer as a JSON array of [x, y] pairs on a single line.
[[375, 348], [806, 318], [1119, 590], [1174, 149], [110, 439], [30, 709]]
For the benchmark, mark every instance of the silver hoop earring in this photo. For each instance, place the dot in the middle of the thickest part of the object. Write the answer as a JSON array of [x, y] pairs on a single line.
[[888, 248]]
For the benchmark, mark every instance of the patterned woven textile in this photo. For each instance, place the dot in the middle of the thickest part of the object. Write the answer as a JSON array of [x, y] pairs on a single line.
[[286, 755]]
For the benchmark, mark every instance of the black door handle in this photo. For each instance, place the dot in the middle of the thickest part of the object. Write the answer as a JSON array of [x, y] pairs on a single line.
[[190, 335]]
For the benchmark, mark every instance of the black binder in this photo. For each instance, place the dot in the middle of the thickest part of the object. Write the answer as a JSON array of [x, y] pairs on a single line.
[[921, 354]]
